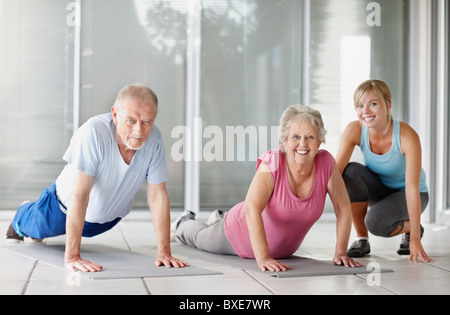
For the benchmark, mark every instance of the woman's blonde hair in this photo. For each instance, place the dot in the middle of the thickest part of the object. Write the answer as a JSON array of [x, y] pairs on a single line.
[[296, 112], [381, 90]]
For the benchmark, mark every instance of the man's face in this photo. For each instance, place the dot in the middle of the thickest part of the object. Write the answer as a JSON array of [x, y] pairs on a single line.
[[134, 121]]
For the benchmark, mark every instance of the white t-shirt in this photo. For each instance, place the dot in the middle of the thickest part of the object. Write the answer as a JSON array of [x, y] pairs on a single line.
[[94, 151]]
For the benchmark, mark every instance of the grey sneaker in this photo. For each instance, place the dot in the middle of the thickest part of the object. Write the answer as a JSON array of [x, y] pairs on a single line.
[[215, 216], [404, 245], [359, 248], [186, 215]]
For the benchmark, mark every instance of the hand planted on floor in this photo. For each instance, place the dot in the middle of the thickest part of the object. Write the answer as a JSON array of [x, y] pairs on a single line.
[[77, 263]]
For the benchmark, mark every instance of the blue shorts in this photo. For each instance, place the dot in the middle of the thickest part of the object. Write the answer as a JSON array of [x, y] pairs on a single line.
[[44, 218]]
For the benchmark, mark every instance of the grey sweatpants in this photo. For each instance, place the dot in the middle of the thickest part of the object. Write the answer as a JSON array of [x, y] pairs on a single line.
[[204, 237], [387, 207]]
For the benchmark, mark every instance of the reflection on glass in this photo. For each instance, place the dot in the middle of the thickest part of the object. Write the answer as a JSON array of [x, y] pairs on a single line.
[[250, 71], [35, 97], [346, 50], [137, 41]]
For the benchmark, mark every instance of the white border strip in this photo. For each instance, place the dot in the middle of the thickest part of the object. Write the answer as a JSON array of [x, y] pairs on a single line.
[[76, 67], [193, 54]]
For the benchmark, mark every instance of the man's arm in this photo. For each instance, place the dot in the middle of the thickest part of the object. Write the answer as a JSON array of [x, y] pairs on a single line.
[[158, 201], [74, 225]]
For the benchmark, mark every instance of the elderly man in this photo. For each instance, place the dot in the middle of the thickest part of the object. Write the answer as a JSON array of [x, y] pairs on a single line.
[[108, 159]]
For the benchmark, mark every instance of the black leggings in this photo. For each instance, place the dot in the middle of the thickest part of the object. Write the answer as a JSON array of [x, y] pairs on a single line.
[[387, 207]]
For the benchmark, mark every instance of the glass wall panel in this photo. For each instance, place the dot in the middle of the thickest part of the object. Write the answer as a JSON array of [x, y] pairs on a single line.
[[36, 62], [125, 42], [251, 69], [250, 72], [352, 41]]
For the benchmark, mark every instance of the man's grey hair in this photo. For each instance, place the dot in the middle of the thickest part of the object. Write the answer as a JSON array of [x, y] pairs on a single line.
[[137, 91], [301, 112]]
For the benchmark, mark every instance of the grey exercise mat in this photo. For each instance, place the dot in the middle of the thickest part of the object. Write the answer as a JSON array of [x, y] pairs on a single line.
[[300, 266], [116, 263]]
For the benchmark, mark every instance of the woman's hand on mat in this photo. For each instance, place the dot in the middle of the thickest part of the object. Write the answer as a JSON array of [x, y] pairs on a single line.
[[270, 264], [169, 261], [417, 251], [346, 261], [77, 263]]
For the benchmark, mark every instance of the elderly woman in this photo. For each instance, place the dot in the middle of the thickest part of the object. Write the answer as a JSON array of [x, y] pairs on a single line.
[[392, 182], [285, 198]]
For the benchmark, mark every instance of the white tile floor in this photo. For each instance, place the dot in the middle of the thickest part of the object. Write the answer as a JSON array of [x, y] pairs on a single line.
[[21, 275]]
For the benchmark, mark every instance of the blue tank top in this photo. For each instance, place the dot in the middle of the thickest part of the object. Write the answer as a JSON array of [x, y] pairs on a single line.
[[390, 167]]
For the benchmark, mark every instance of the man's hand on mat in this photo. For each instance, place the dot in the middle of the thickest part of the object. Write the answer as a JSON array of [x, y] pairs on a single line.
[[168, 260], [77, 263], [270, 264], [346, 261]]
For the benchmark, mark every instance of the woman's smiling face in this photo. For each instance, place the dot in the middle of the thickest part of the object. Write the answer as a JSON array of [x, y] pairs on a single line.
[[302, 142], [371, 112]]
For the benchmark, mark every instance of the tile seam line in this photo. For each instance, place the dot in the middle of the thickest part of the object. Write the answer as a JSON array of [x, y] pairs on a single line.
[[124, 238], [261, 283], [438, 267], [147, 289], [381, 286], [27, 282]]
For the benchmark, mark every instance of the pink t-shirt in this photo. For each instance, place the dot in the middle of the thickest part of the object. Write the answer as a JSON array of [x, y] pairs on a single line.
[[287, 218]]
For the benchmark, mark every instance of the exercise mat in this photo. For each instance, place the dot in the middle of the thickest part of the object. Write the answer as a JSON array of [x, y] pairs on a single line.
[[300, 266], [116, 263]]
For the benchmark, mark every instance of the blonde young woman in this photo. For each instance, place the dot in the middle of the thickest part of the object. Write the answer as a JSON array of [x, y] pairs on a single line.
[[389, 193]]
